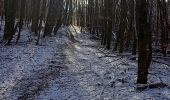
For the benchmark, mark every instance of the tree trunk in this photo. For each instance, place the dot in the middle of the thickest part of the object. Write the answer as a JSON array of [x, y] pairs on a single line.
[[110, 24], [143, 43], [51, 20], [123, 25], [22, 16], [35, 16], [9, 31]]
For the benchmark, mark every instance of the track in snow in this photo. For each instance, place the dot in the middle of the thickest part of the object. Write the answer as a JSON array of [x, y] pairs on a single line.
[[59, 69]]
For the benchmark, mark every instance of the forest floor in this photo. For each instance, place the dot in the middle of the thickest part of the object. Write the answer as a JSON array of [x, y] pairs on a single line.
[[62, 69]]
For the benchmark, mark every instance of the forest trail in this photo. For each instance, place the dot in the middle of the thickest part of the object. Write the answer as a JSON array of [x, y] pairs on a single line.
[[59, 69], [26, 68]]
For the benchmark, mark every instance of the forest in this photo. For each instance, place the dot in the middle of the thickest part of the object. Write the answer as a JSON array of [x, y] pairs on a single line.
[[84, 49]]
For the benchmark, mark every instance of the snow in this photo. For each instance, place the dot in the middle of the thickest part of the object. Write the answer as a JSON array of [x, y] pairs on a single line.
[[60, 69]]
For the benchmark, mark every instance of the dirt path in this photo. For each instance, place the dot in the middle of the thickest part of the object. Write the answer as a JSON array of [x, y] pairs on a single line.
[[88, 76], [91, 77], [60, 69]]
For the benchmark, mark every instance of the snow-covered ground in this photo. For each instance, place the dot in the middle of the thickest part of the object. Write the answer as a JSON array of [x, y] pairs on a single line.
[[59, 69]]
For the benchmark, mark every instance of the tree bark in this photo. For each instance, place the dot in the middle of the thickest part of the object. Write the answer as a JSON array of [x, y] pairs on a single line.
[[10, 12], [35, 16], [143, 43]]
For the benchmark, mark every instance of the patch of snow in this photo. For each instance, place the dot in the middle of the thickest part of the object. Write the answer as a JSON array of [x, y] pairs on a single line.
[[59, 69]]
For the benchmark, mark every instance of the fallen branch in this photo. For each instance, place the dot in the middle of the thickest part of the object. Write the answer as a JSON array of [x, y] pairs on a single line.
[[161, 57], [161, 62], [90, 46], [102, 92], [114, 60], [151, 86], [108, 56]]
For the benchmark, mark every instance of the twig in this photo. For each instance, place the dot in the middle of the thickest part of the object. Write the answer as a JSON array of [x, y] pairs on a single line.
[[102, 92]]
